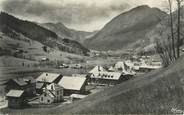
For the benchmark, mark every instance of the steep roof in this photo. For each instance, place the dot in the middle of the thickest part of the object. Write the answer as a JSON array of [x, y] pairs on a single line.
[[72, 83], [48, 77], [15, 93], [119, 65], [97, 69], [111, 68]]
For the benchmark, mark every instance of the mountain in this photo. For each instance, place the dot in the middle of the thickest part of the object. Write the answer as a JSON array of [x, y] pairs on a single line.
[[128, 30], [62, 31], [14, 27]]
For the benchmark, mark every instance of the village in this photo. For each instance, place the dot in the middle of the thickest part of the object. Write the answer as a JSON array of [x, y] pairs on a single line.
[[51, 89]]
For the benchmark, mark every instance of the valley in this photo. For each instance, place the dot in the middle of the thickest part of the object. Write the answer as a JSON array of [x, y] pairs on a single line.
[[50, 68]]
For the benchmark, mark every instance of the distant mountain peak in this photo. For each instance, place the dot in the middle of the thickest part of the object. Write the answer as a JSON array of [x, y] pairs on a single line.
[[126, 29], [141, 7]]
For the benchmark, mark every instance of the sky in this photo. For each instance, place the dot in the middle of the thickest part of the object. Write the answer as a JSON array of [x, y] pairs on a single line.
[[86, 15]]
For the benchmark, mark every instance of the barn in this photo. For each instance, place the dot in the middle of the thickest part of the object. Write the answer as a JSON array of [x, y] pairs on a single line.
[[73, 85], [27, 84]]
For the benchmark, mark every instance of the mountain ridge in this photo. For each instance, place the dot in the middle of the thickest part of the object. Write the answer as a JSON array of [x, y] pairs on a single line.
[[10, 25], [127, 29], [61, 30]]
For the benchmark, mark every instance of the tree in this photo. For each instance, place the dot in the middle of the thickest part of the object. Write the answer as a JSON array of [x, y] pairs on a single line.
[[178, 26], [172, 29], [168, 47]]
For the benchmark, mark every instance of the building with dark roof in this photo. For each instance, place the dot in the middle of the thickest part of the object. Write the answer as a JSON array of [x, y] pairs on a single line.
[[26, 84]]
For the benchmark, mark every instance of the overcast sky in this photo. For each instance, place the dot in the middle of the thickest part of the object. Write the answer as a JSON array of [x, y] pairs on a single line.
[[85, 15]]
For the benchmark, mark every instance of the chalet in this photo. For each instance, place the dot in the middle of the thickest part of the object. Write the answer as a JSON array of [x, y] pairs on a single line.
[[97, 69], [119, 66], [26, 84], [49, 78], [148, 68], [113, 76], [125, 67], [144, 66], [73, 84], [53, 93], [106, 78], [16, 98]]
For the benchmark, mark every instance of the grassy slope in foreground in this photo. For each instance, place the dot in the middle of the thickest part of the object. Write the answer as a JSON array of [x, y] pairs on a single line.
[[156, 92]]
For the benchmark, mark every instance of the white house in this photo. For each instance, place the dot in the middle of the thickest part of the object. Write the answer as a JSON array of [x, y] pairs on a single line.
[[47, 97], [100, 76], [52, 93], [106, 78], [125, 67]]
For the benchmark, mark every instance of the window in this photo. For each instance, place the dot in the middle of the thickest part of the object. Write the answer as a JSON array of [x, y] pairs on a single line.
[[48, 101], [45, 94], [57, 92], [41, 98]]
